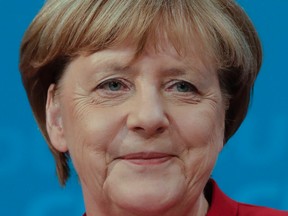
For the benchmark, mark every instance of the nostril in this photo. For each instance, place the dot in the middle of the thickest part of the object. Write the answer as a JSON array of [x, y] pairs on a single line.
[[138, 129], [149, 130], [147, 120], [160, 130]]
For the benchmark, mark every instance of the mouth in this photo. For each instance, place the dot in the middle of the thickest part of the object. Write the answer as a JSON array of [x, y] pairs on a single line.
[[146, 158]]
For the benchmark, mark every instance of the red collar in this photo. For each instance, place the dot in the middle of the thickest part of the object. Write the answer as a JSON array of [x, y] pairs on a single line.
[[221, 204]]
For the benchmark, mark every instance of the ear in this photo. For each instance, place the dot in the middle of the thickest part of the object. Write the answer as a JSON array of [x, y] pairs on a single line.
[[220, 147], [54, 123]]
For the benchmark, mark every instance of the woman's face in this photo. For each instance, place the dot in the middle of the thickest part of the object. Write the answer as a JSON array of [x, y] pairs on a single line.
[[144, 133]]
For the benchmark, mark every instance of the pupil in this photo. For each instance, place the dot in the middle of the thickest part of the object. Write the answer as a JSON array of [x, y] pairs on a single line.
[[114, 86], [182, 87]]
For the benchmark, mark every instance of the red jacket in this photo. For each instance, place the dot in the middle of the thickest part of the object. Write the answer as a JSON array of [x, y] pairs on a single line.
[[221, 205]]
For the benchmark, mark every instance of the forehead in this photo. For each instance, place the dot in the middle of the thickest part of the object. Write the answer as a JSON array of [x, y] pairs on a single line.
[[164, 61], [178, 44], [191, 51]]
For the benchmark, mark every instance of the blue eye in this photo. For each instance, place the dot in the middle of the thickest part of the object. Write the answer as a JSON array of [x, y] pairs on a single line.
[[183, 86], [114, 85]]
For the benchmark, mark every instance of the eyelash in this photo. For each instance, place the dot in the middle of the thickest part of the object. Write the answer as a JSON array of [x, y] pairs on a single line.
[[191, 87], [124, 86], [105, 85]]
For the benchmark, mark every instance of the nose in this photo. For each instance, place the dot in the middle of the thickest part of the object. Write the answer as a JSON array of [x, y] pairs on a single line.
[[147, 115]]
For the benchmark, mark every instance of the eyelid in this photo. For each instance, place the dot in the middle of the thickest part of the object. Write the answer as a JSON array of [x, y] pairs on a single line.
[[172, 83], [122, 81]]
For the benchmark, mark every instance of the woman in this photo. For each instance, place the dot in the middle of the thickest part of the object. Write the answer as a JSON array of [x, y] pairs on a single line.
[[142, 96]]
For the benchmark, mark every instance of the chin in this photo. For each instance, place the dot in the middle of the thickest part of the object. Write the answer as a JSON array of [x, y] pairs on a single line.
[[147, 204], [148, 198]]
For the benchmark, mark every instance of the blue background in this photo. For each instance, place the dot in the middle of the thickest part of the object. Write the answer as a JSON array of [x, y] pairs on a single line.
[[252, 168]]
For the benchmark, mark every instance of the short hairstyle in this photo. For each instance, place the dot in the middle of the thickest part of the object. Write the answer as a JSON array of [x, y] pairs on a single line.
[[65, 29]]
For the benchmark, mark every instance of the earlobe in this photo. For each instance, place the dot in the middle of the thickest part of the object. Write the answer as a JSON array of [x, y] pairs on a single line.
[[54, 123]]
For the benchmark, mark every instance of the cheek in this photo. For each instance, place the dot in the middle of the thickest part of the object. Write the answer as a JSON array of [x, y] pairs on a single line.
[[89, 132], [201, 135], [200, 127]]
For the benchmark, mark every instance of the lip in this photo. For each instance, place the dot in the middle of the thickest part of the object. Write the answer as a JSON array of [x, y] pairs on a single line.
[[146, 158]]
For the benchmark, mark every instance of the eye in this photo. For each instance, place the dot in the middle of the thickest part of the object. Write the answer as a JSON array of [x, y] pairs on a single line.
[[183, 87], [113, 85]]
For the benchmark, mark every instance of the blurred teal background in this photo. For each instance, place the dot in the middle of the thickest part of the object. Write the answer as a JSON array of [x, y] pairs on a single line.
[[252, 168]]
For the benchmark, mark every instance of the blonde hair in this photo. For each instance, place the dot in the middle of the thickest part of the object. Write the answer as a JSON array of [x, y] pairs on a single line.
[[65, 29]]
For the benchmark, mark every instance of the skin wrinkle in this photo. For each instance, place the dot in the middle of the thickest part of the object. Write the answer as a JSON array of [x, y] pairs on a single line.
[[214, 38], [89, 170], [192, 182], [95, 160], [81, 112], [114, 66], [79, 101]]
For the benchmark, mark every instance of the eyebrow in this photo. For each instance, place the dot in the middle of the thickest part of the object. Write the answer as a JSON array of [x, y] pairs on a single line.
[[175, 71], [120, 68], [126, 68], [184, 71], [114, 66]]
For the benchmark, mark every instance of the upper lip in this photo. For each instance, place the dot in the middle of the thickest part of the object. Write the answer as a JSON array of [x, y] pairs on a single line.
[[145, 155]]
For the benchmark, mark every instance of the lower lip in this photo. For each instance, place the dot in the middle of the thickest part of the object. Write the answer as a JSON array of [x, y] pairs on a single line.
[[152, 161]]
